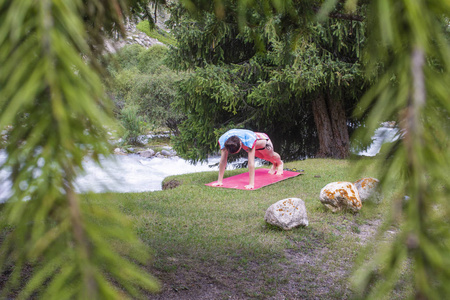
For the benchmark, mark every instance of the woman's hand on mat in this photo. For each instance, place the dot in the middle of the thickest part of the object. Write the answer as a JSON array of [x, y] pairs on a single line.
[[249, 187], [217, 184]]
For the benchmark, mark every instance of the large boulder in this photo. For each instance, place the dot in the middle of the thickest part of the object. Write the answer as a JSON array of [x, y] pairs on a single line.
[[287, 214], [368, 189], [339, 196]]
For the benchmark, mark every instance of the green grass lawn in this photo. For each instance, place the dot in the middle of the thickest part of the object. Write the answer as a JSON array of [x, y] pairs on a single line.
[[213, 243]]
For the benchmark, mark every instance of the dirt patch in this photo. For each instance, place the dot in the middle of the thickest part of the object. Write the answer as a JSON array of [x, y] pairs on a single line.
[[191, 286], [368, 230], [308, 270], [210, 282], [314, 264], [25, 275]]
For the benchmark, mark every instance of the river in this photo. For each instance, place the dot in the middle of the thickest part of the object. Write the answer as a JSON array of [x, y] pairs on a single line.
[[125, 173]]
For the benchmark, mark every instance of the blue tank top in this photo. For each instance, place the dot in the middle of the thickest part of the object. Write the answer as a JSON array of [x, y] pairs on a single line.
[[247, 137]]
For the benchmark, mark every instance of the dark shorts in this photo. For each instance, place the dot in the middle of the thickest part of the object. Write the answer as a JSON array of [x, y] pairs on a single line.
[[268, 146]]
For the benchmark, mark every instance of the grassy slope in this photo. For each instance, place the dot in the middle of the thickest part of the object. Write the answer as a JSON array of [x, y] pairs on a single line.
[[162, 36], [214, 243]]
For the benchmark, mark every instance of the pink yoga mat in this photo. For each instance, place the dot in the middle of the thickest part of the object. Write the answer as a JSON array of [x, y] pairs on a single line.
[[262, 178]]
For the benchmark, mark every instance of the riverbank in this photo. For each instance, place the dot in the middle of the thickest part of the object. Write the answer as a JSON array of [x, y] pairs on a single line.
[[133, 173]]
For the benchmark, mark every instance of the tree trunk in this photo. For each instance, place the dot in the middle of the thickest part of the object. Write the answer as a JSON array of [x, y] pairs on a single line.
[[339, 126], [323, 126], [331, 125]]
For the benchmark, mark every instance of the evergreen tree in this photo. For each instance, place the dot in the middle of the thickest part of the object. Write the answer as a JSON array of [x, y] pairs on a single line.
[[410, 39], [54, 245], [299, 87]]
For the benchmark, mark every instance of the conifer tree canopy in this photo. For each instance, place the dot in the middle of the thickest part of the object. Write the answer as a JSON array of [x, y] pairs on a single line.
[[52, 101], [283, 73]]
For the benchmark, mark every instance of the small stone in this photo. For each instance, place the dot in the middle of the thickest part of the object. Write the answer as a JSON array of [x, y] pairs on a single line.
[[119, 151]]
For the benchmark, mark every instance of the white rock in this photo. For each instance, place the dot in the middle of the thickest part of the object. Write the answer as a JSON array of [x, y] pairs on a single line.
[[147, 153], [166, 153], [119, 151], [368, 189], [287, 213], [341, 195]]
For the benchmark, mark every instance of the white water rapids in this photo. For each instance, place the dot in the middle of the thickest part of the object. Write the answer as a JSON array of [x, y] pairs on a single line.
[[125, 173], [132, 173], [382, 135]]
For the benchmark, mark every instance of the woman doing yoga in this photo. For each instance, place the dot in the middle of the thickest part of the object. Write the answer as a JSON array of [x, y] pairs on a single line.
[[256, 144]]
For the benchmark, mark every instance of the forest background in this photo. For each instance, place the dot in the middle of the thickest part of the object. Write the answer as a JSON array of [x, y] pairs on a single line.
[[295, 69], [302, 89]]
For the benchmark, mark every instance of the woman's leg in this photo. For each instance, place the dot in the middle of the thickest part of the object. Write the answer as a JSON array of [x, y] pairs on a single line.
[[271, 156]]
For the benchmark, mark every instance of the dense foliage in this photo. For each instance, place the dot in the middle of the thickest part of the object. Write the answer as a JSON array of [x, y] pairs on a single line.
[[51, 94], [268, 78], [411, 40], [143, 89]]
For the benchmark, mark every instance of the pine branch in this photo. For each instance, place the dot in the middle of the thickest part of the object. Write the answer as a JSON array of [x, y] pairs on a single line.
[[341, 16], [54, 100]]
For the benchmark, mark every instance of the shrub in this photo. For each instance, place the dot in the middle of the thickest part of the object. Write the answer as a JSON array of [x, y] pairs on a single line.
[[127, 57], [154, 95], [133, 124], [140, 79], [137, 57], [151, 59]]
